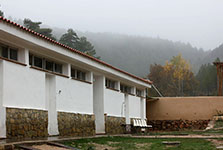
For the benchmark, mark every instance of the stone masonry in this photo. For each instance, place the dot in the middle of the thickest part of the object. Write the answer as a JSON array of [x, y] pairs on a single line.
[[26, 123], [73, 124], [114, 125], [176, 125]]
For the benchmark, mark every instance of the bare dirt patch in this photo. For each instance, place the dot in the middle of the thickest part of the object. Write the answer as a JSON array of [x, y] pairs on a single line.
[[216, 142], [48, 147], [143, 145], [112, 143], [103, 147]]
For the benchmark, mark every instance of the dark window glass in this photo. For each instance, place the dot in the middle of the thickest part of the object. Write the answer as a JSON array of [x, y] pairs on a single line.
[[14, 54], [30, 59], [49, 65], [5, 52], [121, 88], [38, 62], [106, 82], [58, 68], [138, 92], [73, 73], [81, 75], [125, 89], [110, 84]]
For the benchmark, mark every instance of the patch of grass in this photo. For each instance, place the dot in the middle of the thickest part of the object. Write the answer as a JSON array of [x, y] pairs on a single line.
[[129, 143], [208, 132], [218, 124]]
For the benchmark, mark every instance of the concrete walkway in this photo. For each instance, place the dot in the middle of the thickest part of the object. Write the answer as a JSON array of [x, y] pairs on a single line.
[[7, 143]]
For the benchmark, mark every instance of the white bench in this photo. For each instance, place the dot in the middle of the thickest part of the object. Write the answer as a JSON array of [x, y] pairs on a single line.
[[141, 123]]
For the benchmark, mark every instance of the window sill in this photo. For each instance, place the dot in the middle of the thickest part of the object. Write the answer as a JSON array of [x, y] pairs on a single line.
[[81, 80], [40, 69], [140, 96], [13, 61], [112, 89], [128, 93]]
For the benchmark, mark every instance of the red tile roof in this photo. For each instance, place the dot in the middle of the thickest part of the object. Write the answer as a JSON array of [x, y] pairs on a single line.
[[71, 49]]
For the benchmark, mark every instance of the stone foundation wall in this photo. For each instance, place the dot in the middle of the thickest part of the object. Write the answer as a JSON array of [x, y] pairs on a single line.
[[26, 123], [114, 125], [176, 125], [72, 124]]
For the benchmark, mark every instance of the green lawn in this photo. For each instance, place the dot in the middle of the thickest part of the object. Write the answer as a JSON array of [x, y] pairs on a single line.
[[129, 143], [208, 132], [218, 124]]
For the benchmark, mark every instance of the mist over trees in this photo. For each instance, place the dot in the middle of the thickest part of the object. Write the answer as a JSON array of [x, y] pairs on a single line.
[[135, 54]]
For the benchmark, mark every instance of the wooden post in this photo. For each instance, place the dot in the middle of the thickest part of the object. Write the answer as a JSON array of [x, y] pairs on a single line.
[[219, 66], [221, 78]]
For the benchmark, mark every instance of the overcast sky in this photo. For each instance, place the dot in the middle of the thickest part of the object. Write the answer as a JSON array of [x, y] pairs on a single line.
[[199, 22]]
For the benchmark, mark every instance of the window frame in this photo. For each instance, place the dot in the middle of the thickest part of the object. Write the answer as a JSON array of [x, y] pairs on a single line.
[[139, 94], [110, 84], [127, 89], [9, 50], [44, 63], [83, 74]]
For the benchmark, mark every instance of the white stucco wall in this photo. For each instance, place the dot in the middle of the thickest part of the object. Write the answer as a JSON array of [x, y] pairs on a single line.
[[134, 107], [74, 96], [25, 87], [114, 103]]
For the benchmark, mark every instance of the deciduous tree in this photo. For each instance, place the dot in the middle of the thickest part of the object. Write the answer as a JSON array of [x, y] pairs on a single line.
[[174, 78]]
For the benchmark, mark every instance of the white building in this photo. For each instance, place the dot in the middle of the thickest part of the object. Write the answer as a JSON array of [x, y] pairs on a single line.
[[47, 88]]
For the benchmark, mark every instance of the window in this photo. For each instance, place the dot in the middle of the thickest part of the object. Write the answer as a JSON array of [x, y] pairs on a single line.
[[9, 53], [139, 92], [78, 74], [110, 83], [49, 65], [73, 73], [58, 68], [125, 89], [45, 64], [38, 62], [4, 52], [13, 54], [30, 59], [81, 75]]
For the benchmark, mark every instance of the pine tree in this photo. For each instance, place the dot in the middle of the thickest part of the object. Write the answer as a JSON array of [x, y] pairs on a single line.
[[70, 38], [1, 13], [35, 26]]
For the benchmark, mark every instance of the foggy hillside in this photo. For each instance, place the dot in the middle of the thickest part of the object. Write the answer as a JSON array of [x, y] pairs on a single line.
[[135, 54], [217, 52]]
